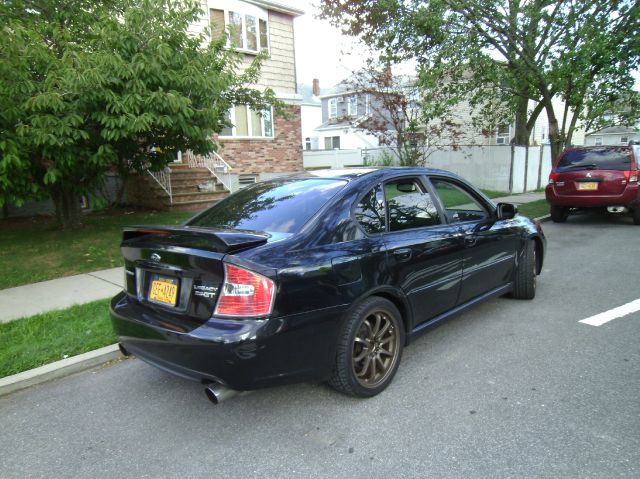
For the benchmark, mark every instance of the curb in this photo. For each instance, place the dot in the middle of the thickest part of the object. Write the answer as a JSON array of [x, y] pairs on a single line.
[[58, 369], [543, 219]]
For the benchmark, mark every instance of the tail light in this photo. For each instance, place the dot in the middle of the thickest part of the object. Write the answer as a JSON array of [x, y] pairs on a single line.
[[631, 176], [245, 293], [553, 177]]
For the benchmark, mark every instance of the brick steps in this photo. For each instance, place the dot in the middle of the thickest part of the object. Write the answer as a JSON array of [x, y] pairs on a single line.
[[186, 195]]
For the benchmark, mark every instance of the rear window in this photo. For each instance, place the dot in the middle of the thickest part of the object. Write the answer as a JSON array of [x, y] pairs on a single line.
[[282, 206], [596, 158]]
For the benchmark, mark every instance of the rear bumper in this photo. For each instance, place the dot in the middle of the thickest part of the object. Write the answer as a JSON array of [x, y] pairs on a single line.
[[241, 354], [630, 197]]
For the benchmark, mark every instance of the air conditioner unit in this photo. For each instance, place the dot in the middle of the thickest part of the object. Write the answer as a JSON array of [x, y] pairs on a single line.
[[501, 140]]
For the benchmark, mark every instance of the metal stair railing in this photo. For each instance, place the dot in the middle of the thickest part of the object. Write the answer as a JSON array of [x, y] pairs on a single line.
[[163, 178], [214, 163]]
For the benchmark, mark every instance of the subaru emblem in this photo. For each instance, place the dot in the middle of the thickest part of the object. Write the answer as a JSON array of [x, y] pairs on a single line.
[[155, 257]]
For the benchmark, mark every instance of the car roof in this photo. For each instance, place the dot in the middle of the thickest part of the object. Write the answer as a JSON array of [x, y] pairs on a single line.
[[354, 173]]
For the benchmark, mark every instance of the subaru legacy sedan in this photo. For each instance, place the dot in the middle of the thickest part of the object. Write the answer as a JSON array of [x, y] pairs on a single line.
[[325, 276]]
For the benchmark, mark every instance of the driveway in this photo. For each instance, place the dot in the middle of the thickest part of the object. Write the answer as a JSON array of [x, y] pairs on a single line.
[[509, 389]]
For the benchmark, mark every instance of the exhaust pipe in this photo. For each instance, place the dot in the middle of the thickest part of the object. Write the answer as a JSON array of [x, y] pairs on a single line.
[[217, 393]]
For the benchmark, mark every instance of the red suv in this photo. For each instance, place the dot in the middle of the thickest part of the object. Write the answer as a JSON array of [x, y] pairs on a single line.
[[603, 177]]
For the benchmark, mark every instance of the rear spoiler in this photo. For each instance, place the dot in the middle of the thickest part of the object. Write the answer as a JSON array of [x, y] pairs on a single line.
[[219, 240]]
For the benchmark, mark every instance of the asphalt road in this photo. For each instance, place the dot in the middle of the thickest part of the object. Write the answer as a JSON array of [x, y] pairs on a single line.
[[511, 389]]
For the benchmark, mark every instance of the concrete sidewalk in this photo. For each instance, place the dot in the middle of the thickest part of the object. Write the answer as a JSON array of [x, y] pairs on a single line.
[[521, 198], [59, 293]]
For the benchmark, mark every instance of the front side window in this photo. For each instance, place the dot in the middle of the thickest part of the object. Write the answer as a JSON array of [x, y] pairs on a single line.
[[370, 212], [282, 206], [409, 206], [459, 205], [247, 123]]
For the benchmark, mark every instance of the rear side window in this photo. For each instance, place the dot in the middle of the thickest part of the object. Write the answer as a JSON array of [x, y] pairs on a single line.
[[459, 205], [409, 206], [608, 158], [282, 206]]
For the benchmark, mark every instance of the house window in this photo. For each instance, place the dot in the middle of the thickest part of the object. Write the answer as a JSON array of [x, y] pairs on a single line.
[[307, 144], [332, 143], [247, 123], [598, 140], [333, 108], [502, 135], [624, 139], [247, 26], [353, 106]]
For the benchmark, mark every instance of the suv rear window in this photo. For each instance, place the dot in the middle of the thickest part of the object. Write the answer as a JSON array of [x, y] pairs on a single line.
[[282, 206], [610, 158]]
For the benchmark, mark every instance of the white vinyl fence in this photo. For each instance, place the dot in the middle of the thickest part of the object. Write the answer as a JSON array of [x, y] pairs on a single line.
[[499, 167]]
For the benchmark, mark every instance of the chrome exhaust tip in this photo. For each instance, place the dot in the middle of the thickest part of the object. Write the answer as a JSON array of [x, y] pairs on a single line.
[[123, 350], [217, 393]]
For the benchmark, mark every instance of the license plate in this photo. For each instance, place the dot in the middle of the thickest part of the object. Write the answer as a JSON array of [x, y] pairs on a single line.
[[588, 186], [164, 291]]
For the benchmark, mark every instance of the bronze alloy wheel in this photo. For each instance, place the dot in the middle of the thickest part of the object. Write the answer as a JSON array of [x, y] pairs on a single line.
[[376, 349]]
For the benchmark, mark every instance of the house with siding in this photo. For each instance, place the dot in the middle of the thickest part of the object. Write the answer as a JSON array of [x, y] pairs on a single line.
[[258, 145], [613, 135]]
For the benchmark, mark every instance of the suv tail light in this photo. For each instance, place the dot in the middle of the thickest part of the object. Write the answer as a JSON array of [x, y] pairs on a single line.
[[553, 177], [631, 176], [245, 293]]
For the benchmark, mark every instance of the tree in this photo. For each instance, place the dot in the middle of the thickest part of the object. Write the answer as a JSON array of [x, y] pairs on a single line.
[[121, 84], [398, 117], [528, 49]]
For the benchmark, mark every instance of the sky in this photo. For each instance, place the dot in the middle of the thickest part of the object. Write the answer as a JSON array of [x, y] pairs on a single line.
[[322, 51]]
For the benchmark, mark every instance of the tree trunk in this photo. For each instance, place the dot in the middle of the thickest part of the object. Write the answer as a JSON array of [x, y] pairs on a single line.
[[521, 135], [68, 210], [555, 135]]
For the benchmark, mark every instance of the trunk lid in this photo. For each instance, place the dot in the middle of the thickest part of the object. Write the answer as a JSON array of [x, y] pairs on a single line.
[[179, 268]]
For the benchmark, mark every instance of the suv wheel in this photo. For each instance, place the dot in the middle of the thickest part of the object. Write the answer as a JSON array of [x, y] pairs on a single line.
[[369, 349], [559, 214], [635, 214]]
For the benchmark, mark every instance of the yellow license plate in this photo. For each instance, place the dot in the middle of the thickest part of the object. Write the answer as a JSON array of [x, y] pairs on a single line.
[[588, 186], [164, 290]]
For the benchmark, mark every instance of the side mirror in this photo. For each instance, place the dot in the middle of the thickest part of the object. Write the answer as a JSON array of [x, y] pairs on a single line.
[[506, 211]]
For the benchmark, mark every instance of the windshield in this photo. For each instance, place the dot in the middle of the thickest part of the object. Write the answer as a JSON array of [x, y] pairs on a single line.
[[610, 158], [282, 206]]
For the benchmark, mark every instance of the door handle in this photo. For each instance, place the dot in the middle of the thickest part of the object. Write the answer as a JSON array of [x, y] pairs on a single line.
[[470, 238], [402, 254]]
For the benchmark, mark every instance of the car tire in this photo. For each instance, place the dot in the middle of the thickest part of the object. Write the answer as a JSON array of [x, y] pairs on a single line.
[[559, 214], [369, 348], [635, 214], [524, 284]]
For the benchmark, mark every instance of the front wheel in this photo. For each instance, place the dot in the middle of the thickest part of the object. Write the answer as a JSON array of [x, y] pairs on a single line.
[[369, 348], [524, 285], [559, 214]]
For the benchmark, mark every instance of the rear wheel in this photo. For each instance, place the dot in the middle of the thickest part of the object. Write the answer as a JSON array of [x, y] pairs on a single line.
[[635, 214], [524, 285], [559, 214], [369, 349]]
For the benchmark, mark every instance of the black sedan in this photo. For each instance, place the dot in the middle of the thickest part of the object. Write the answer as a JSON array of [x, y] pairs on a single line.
[[324, 276]]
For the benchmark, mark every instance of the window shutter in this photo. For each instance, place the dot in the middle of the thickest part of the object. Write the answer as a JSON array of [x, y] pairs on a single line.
[[216, 18]]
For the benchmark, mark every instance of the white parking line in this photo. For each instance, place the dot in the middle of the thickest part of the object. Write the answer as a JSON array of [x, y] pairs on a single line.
[[619, 312]]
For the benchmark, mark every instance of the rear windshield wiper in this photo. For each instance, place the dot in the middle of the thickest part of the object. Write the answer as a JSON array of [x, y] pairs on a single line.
[[590, 166]]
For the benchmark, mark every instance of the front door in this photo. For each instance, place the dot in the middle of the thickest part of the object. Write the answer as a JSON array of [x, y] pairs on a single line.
[[489, 245]]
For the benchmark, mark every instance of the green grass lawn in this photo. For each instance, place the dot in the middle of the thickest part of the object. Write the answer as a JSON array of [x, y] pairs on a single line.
[[534, 209], [33, 249], [41, 339], [495, 194]]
